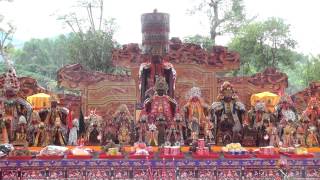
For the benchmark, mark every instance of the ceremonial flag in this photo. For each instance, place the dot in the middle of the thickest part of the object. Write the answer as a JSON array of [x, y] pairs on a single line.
[[81, 123]]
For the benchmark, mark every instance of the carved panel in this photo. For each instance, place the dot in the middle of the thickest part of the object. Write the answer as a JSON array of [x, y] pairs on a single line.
[[302, 98]]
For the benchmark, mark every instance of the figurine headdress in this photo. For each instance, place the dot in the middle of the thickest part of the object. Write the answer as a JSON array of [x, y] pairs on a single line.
[[313, 102], [286, 98], [260, 106], [193, 92], [226, 86]]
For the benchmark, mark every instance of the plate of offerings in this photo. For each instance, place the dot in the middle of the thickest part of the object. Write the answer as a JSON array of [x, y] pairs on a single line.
[[20, 154], [171, 152], [112, 153], [268, 152], [52, 152], [235, 151], [299, 152], [141, 152], [80, 153]]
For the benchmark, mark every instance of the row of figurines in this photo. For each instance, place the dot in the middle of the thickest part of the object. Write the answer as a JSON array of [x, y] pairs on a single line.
[[125, 131]]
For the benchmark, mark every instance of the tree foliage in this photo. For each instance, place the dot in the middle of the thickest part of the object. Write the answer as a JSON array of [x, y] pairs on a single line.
[[203, 41], [7, 30], [92, 38], [224, 16], [264, 44]]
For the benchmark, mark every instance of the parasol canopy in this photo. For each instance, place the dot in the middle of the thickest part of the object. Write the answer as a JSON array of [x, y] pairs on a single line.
[[270, 99], [39, 101]]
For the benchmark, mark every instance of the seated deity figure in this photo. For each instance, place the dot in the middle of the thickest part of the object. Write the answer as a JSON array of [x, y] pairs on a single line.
[[228, 114], [160, 109], [94, 132], [124, 124], [21, 132], [197, 108]]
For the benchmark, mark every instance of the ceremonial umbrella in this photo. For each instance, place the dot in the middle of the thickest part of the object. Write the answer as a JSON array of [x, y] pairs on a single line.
[[270, 99], [39, 101]]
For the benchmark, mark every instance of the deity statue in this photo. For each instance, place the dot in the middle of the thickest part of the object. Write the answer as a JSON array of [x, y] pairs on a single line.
[[194, 127], [285, 109], [258, 114], [21, 133], [94, 130], [197, 108], [32, 127], [142, 126], [312, 139], [59, 133], [288, 134], [273, 134], [312, 112], [227, 114], [208, 127], [124, 124], [43, 135], [301, 134], [3, 130], [152, 135], [73, 134], [263, 136], [175, 132], [160, 109], [155, 28]]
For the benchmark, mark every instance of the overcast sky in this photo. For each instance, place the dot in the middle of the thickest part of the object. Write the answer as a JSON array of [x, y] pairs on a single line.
[[37, 19]]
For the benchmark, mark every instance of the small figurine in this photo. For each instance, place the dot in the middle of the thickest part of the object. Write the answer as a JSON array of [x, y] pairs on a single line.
[[194, 127], [288, 134], [124, 124], [73, 135], [208, 131], [59, 133], [3, 130], [176, 128], [312, 140], [301, 135], [123, 135], [32, 127], [142, 128], [152, 135], [263, 137], [41, 138], [273, 134], [94, 136], [21, 132]]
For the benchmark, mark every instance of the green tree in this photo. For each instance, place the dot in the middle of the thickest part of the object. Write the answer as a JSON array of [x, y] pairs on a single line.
[[91, 42], [224, 16], [203, 41], [7, 30], [264, 44]]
